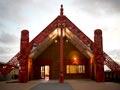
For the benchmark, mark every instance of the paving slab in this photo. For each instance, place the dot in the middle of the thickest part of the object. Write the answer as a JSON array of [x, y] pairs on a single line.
[[52, 86]]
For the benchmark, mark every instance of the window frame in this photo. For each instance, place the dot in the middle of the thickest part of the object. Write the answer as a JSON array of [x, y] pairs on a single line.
[[79, 69]]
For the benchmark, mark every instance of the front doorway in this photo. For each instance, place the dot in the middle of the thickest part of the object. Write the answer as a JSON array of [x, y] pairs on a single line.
[[45, 70]]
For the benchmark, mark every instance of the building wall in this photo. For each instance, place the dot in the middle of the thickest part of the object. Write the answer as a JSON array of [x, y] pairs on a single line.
[[51, 57]]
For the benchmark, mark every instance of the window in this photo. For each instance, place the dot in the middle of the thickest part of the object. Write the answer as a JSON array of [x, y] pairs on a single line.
[[73, 69]]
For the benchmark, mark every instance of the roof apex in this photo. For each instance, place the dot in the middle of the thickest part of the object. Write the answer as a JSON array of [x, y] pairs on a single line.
[[61, 10]]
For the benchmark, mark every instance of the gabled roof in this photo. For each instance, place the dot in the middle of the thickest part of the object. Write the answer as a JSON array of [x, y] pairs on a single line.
[[61, 20], [73, 39], [73, 33]]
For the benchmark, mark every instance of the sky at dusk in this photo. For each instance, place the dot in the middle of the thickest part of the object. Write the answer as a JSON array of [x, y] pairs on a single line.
[[35, 15]]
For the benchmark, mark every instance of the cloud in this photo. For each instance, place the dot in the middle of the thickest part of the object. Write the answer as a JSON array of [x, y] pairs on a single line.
[[5, 58], [4, 50], [9, 9], [7, 38], [15, 9], [98, 7], [115, 54], [6, 53]]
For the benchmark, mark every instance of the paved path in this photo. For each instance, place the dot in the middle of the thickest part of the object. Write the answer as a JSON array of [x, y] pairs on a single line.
[[92, 85], [52, 86], [81, 84], [13, 85]]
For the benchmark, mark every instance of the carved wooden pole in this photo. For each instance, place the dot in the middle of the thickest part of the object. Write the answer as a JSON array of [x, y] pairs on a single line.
[[61, 79], [24, 52], [92, 67], [98, 56], [30, 68], [61, 76]]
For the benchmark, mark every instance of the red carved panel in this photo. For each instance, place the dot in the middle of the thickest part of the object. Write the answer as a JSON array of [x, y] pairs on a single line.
[[24, 53], [98, 56]]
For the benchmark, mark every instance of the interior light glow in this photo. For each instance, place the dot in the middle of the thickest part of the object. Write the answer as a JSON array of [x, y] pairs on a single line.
[[59, 32], [56, 41], [75, 60]]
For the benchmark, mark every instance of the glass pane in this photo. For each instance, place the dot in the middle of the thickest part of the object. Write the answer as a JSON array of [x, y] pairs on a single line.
[[73, 69], [42, 71], [67, 69], [46, 70], [79, 68], [83, 68]]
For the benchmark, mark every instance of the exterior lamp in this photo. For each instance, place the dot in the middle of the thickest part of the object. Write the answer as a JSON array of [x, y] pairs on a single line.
[[75, 60]]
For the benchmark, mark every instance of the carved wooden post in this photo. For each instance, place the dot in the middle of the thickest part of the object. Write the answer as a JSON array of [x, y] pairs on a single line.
[[24, 52], [30, 68], [61, 76], [92, 67], [61, 79], [98, 56]]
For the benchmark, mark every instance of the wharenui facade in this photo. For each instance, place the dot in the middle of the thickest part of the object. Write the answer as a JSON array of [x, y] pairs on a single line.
[[62, 51]]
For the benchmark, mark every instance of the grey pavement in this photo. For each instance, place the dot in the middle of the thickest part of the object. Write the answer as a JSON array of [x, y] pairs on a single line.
[[52, 86], [81, 84], [85, 84]]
